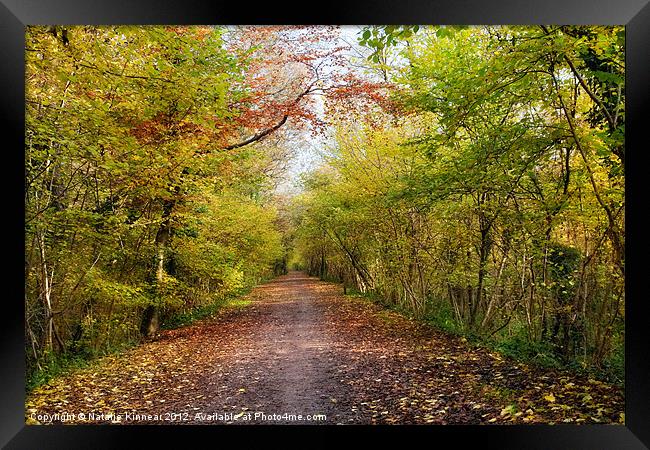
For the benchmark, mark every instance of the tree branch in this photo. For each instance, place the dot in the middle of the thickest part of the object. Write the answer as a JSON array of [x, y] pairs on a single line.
[[582, 82], [260, 135]]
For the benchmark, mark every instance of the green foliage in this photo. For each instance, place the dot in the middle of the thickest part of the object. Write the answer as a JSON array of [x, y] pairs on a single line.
[[489, 200], [613, 367], [131, 204], [442, 317], [54, 366], [102, 289], [519, 347], [380, 37], [186, 318]]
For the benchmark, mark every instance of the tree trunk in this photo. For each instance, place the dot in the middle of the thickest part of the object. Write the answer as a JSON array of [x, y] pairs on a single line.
[[47, 298], [323, 266], [484, 252], [150, 321], [151, 316]]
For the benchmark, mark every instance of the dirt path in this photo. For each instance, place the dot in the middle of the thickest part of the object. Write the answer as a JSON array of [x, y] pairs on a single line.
[[287, 364], [302, 349]]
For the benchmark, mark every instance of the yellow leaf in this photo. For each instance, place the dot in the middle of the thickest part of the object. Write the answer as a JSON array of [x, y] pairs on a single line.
[[31, 421], [550, 397]]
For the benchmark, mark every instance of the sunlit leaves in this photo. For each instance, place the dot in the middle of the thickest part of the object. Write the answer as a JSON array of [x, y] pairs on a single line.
[[380, 37]]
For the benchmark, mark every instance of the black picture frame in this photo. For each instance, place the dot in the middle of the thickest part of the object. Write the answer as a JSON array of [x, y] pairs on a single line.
[[635, 14]]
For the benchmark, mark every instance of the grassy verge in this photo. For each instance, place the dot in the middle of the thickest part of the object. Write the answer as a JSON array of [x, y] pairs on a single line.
[[235, 301], [516, 347], [55, 366]]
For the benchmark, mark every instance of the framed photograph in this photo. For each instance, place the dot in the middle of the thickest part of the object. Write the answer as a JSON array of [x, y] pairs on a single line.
[[416, 220]]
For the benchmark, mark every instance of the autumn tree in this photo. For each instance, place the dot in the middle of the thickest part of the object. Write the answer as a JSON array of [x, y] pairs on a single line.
[[490, 198]]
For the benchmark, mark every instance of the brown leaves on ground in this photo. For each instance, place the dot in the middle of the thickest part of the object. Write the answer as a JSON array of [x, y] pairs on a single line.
[[302, 347], [419, 375]]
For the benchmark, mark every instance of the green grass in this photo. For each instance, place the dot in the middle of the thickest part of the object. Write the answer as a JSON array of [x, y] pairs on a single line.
[[515, 346], [370, 296], [237, 303], [442, 317], [57, 365], [520, 348], [233, 301], [53, 367]]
